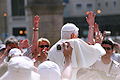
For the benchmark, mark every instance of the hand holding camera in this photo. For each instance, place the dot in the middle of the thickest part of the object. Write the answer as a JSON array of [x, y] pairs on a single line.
[[60, 46], [67, 51]]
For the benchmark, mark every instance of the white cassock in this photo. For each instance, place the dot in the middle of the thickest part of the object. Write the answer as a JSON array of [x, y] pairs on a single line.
[[83, 55], [100, 71]]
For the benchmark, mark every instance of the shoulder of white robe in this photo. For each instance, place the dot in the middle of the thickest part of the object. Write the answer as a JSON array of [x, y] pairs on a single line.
[[52, 50], [100, 48]]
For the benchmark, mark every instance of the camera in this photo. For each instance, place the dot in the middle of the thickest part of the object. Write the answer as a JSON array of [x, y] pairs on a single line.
[[107, 33], [60, 46]]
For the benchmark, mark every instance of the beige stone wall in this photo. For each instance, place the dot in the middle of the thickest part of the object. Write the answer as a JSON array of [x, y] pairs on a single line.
[[51, 21], [50, 27]]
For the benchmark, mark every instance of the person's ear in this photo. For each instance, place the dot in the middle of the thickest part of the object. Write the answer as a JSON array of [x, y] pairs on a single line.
[[72, 35]]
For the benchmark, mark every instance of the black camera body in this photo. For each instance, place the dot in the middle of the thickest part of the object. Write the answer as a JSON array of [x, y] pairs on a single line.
[[59, 47], [107, 33]]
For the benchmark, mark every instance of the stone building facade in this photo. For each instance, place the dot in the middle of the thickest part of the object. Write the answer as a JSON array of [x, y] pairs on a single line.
[[107, 14], [20, 14]]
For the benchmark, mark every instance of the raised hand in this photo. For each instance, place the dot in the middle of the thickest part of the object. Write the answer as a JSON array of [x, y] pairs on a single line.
[[67, 71], [24, 43], [96, 28], [90, 19], [36, 21], [35, 36], [67, 51], [98, 34]]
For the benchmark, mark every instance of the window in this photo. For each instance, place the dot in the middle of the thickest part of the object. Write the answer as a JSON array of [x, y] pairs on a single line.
[[99, 5], [89, 5], [66, 1], [20, 31], [114, 3], [106, 4], [18, 8], [78, 6]]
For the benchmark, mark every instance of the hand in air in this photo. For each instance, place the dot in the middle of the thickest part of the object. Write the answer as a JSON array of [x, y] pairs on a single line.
[[36, 21], [90, 19]]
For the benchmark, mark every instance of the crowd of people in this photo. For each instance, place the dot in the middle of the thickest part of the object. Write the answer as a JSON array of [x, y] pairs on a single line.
[[71, 58]]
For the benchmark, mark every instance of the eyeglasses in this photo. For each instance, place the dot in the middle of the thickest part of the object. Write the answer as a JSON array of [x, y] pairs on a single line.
[[107, 48], [42, 46]]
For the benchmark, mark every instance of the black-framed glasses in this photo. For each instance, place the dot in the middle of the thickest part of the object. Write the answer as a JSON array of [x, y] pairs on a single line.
[[107, 48], [42, 46]]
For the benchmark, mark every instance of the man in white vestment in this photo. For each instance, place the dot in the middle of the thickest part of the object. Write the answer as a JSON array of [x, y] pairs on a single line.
[[83, 55]]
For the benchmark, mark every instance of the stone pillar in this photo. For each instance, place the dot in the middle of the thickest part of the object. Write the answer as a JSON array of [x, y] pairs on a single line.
[[51, 17], [3, 19]]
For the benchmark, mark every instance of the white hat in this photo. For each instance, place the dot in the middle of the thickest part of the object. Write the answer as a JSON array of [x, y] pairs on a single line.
[[15, 51], [67, 30], [2, 46], [20, 68], [69, 27], [49, 70]]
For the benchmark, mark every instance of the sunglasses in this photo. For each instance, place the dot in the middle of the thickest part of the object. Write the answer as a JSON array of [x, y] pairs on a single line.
[[107, 48], [42, 46]]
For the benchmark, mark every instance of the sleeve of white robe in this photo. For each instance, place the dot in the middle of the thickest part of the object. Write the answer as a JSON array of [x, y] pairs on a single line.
[[86, 55]]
